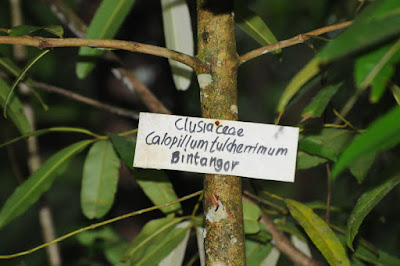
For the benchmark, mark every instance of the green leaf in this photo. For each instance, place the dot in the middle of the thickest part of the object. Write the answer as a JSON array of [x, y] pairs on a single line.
[[151, 237], [262, 235], [55, 29], [306, 161], [21, 76], [125, 148], [99, 179], [319, 232], [376, 69], [39, 182], [376, 257], [377, 23], [361, 166], [396, 92], [328, 142], [301, 78], [178, 37], [15, 109], [156, 185], [318, 105], [382, 134], [251, 215], [22, 30], [106, 233], [291, 229], [383, 258], [366, 203], [256, 252], [253, 25], [104, 25], [176, 256]]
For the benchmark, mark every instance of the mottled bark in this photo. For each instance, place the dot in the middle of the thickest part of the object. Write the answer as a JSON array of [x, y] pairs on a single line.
[[224, 236]]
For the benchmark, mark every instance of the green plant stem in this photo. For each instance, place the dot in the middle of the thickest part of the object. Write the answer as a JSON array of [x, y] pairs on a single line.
[[96, 225]]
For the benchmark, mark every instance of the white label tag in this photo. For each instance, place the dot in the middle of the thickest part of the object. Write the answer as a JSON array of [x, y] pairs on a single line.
[[216, 147]]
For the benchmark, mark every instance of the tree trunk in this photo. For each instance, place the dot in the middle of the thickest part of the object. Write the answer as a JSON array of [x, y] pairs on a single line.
[[224, 235]]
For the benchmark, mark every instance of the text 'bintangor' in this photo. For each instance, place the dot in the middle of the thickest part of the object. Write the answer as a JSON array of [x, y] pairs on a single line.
[[213, 146]]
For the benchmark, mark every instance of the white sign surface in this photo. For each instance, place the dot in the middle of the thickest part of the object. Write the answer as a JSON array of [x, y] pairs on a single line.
[[216, 147]]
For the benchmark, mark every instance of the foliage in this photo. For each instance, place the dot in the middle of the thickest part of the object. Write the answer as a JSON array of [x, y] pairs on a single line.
[[345, 100]]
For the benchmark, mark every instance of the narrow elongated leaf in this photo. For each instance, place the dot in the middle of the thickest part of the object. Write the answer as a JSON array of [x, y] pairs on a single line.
[[396, 92], [125, 148], [99, 179], [39, 182], [15, 110], [104, 25], [179, 37], [21, 76], [361, 166], [366, 203], [251, 215], [376, 69], [253, 25], [151, 235], [157, 186], [383, 258], [382, 134], [256, 252], [319, 232], [318, 105], [301, 78], [328, 142], [21, 30], [292, 229], [177, 255], [376, 257], [306, 161], [377, 23], [163, 248]]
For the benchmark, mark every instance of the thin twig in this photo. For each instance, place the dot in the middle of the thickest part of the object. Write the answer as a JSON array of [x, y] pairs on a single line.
[[43, 43], [86, 100], [80, 98], [283, 243], [292, 41], [149, 99], [328, 194], [97, 225]]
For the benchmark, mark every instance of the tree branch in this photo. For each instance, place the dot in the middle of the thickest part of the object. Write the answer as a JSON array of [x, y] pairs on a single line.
[[43, 43], [86, 100], [292, 41]]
